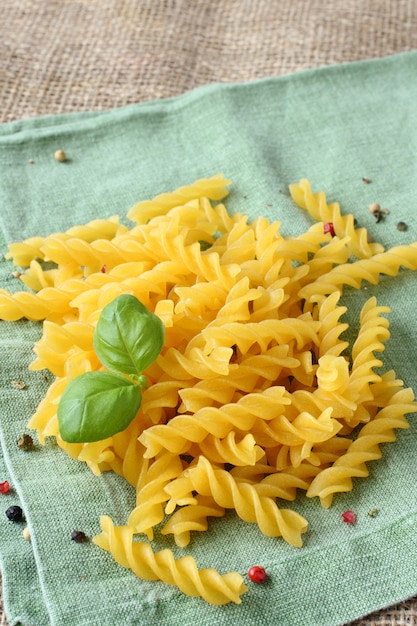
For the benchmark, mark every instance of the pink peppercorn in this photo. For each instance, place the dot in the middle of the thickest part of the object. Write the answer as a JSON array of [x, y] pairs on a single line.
[[103, 269], [349, 517], [4, 487], [328, 228], [257, 574]]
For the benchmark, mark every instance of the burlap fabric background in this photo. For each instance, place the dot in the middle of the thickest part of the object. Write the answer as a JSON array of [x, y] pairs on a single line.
[[59, 56]]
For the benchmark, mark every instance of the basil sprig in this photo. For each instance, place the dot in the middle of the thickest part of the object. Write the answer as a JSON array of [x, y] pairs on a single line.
[[96, 405]]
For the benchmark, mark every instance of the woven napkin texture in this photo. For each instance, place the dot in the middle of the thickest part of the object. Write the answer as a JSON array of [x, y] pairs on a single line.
[[334, 126]]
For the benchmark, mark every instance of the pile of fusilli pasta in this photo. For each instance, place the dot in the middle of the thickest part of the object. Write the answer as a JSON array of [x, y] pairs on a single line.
[[255, 394]]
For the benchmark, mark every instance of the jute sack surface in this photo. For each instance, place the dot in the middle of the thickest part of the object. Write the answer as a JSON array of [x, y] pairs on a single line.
[[59, 56], [65, 56]]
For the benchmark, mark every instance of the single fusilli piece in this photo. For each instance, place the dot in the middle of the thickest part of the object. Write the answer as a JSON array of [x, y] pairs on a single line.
[[330, 328], [232, 493], [370, 269], [214, 188], [22, 253], [182, 573], [373, 332]]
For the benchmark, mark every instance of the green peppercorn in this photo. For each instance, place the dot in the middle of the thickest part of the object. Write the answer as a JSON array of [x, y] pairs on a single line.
[[78, 536], [14, 513], [204, 245], [25, 442]]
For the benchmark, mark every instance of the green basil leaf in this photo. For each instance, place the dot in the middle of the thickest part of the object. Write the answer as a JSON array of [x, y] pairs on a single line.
[[97, 405], [128, 337]]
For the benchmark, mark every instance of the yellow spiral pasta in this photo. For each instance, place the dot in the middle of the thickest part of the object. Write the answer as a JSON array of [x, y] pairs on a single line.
[[284, 484], [330, 328], [214, 188], [22, 253], [178, 434], [373, 333], [151, 496], [369, 269], [230, 493], [344, 225], [191, 517], [338, 478], [257, 394], [183, 572], [228, 450]]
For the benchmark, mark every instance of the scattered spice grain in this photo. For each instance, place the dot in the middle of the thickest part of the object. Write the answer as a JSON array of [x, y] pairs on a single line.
[[14, 513], [60, 156], [78, 536], [349, 517], [18, 384], [5, 487], [26, 534], [25, 442], [375, 209], [329, 228], [204, 245], [257, 574]]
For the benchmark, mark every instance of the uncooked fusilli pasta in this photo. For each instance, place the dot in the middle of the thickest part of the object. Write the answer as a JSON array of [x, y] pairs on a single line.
[[256, 395]]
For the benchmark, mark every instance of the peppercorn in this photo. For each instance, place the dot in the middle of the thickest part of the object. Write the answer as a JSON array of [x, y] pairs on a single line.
[[14, 513], [25, 442], [60, 156], [18, 384], [401, 226], [204, 245], [78, 536], [349, 517], [329, 228], [5, 487], [257, 574], [375, 209], [26, 534]]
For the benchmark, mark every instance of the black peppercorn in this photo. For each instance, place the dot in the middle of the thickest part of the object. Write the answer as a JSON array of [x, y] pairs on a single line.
[[401, 226], [14, 513], [78, 536]]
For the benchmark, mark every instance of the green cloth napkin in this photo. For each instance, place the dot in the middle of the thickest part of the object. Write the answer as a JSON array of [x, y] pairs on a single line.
[[333, 126]]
